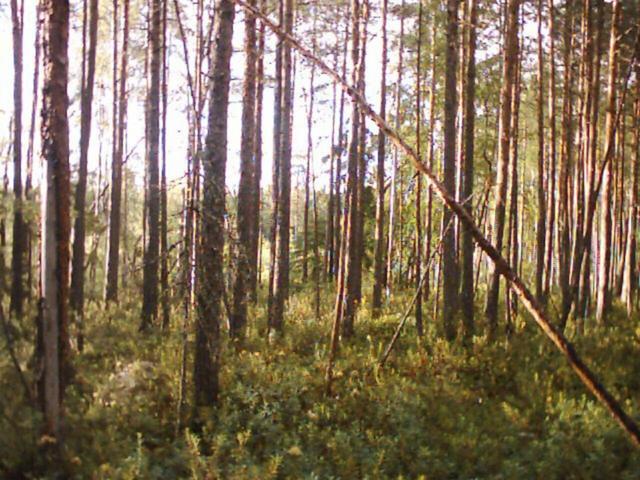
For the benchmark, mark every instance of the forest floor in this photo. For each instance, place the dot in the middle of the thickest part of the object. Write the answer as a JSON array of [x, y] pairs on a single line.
[[511, 409]]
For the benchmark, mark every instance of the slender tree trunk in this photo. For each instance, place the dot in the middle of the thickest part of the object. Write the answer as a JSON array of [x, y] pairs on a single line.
[[210, 287], [379, 260], [350, 229], [341, 147], [307, 174], [329, 251], [246, 187], [281, 274], [152, 218], [466, 284], [449, 255], [113, 254], [506, 99], [345, 303], [430, 159], [19, 238], [418, 187], [55, 214], [630, 273], [566, 150], [277, 152], [165, 293], [551, 171], [28, 185], [362, 163], [393, 194], [590, 242], [514, 242], [256, 250], [88, 75], [541, 226], [606, 226]]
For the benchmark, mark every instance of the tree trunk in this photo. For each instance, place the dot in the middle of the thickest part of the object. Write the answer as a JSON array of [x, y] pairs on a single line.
[[113, 254], [165, 293], [256, 250], [210, 287], [541, 226], [55, 213], [88, 75], [566, 154], [337, 230], [466, 284], [152, 218], [606, 225], [28, 185], [394, 168], [379, 260], [513, 245], [19, 245], [352, 217], [277, 152], [630, 273], [362, 162], [506, 95], [345, 303], [449, 255], [281, 274], [551, 171], [329, 251], [430, 159], [307, 173], [418, 218], [246, 187]]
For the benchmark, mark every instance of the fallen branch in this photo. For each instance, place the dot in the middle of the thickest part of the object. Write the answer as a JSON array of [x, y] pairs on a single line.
[[529, 301]]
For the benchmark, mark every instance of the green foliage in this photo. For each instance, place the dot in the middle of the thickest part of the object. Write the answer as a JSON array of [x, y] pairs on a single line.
[[512, 409]]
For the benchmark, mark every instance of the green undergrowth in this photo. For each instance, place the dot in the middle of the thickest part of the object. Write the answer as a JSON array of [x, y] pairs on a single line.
[[509, 409]]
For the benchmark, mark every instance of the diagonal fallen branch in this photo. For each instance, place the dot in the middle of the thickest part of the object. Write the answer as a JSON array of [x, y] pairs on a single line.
[[587, 377]]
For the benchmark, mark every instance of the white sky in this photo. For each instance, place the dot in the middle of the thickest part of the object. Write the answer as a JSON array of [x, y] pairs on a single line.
[[177, 126]]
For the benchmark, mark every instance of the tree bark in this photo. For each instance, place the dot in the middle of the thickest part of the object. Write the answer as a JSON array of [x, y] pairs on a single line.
[[379, 260], [246, 195], [394, 168], [275, 169], [418, 205], [281, 274], [19, 245], [541, 226], [152, 218], [449, 255], [347, 307], [565, 164], [307, 173], [113, 254], [466, 284], [55, 213], [604, 258], [551, 171], [630, 273], [256, 250], [88, 76], [165, 293], [210, 288], [506, 99]]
